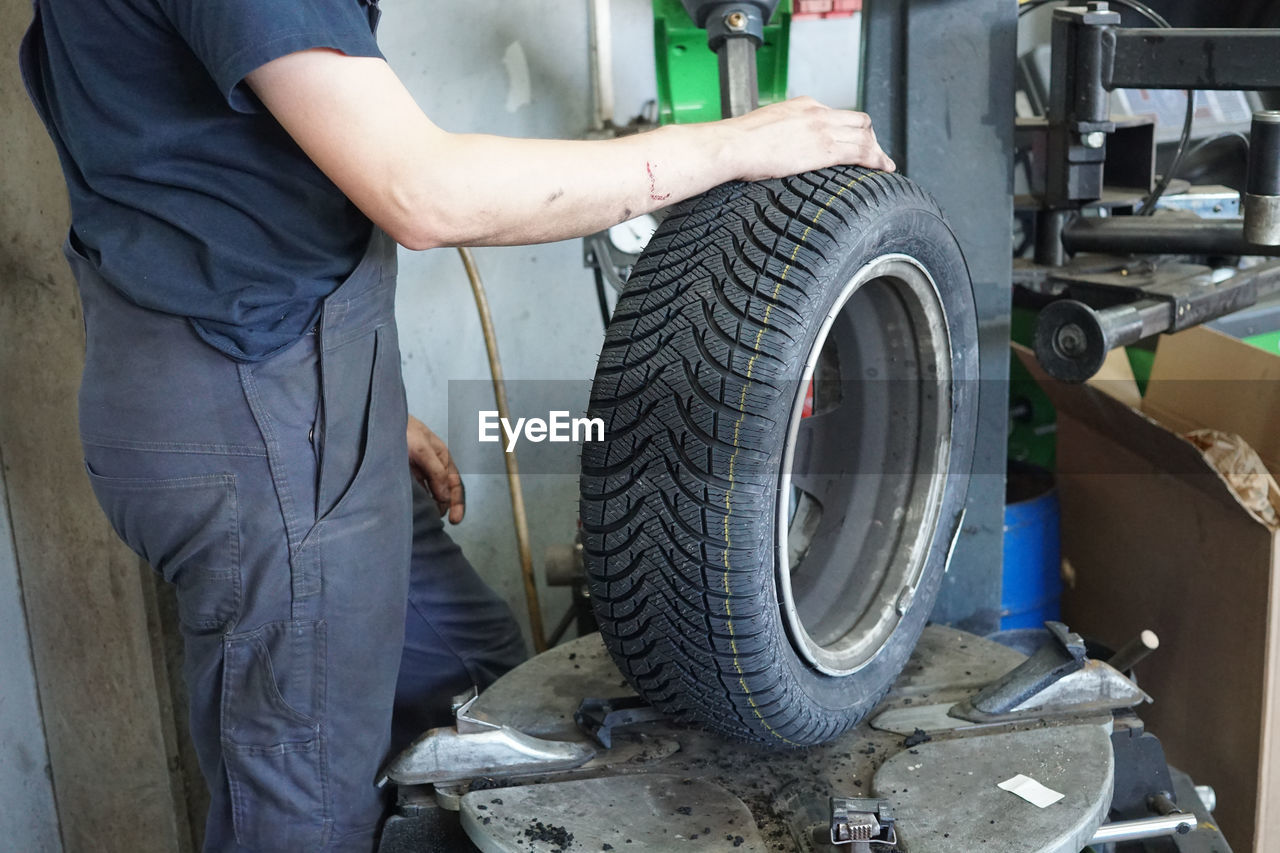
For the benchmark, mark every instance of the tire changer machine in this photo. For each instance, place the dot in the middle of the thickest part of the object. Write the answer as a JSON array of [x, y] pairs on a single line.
[[561, 755]]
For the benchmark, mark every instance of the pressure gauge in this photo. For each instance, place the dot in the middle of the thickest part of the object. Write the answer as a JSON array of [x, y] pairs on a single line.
[[633, 235]]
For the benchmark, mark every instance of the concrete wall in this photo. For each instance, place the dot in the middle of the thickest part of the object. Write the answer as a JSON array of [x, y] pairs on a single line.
[[542, 298], [29, 819], [87, 616]]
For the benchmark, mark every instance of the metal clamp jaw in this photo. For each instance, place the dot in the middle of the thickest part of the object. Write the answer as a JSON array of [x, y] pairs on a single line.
[[1059, 679], [862, 822], [599, 717], [477, 747]]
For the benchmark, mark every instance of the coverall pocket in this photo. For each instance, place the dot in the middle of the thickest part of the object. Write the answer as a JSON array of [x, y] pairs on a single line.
[[353, 421], [273, 697], [187, 529]]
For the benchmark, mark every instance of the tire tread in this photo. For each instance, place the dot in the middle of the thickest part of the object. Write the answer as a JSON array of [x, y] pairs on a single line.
[[693, 366]]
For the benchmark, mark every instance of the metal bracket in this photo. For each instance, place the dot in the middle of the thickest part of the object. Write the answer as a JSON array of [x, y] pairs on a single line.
[[862, 822], [476, 747], [1059, 679], [599, 717], [615, 265], [1073, 338]]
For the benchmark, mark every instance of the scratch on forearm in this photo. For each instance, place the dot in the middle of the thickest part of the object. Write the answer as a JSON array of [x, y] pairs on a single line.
[[555, 195], [653, 185]]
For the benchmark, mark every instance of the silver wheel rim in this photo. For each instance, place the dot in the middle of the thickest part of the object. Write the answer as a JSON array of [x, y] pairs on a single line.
[[866, 564]]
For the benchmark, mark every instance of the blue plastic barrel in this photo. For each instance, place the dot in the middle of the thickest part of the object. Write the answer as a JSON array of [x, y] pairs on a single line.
[[1032, 549]]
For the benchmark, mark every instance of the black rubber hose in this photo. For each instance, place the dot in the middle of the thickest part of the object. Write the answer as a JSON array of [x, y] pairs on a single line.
[[602, 297]]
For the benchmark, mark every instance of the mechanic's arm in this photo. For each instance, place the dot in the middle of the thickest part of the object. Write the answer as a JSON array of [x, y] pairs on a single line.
[[427, 187]]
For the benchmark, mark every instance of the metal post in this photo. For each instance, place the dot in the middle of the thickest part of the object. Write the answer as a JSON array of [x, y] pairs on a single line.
[[1262, 192], [739, 85], [938, 81], [1049, 227], [734, 31], [601, 57]]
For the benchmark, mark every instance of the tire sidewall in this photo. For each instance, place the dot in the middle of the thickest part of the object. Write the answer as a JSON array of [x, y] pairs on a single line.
[[919, 233]]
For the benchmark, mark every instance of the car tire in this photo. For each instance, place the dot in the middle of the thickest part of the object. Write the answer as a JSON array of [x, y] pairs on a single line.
[[756, 569]]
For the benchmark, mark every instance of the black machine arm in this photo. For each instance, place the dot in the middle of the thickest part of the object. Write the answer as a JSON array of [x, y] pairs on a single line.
[[1189, 58], [1092, 56], [1072, 338], [1146, 235]]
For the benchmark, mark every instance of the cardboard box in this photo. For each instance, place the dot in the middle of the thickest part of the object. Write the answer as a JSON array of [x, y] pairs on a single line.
[[1155, 536]]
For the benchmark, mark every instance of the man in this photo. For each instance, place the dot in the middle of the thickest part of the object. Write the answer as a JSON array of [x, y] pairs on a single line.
[[240, 173]]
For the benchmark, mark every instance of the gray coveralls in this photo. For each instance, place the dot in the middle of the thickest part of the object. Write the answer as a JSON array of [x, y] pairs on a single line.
[[276, 496]]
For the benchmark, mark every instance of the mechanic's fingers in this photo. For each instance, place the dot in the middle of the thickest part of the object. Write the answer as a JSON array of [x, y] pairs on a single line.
[[423, 456], [853, 118], [457, 493], [458, 509], [861, 152], [453, 479], [880, 160], [433, 466], [425, 479], [437, 474], [875, 155]]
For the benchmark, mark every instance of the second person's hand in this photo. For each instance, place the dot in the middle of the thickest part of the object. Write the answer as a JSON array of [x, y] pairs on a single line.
[[433, 467]]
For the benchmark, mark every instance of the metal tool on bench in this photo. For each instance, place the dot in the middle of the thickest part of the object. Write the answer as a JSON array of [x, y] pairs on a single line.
[[476, 747], [599, 717], [1058, 681], [1060, 678], [862, 822]]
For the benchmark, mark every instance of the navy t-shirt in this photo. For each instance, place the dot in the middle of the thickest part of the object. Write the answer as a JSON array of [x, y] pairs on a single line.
[[186, 193]]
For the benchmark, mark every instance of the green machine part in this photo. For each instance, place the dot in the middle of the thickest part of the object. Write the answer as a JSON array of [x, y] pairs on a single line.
[[689, 73], [1269, 341]]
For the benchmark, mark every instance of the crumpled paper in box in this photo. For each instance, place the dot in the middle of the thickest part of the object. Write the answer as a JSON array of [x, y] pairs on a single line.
[[1243, 469]]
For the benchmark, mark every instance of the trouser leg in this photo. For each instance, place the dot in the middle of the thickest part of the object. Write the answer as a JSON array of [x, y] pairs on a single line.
[[458, 631], [348, 569], [290, 651], [290, 558]]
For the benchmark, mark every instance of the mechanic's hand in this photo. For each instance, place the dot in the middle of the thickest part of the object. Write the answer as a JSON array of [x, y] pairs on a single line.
[[433, 467], [799, 135]]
